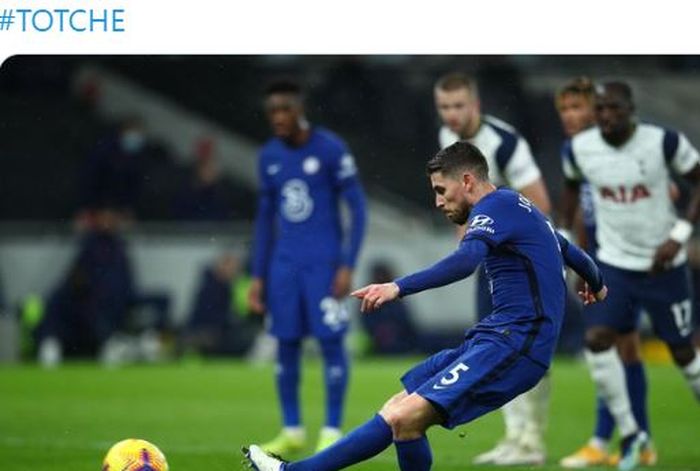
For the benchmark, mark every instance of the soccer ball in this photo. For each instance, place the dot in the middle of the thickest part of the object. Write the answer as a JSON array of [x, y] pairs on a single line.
[[134, 454]]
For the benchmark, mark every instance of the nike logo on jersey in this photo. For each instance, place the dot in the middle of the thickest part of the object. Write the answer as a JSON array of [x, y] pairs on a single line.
[[273, 169]]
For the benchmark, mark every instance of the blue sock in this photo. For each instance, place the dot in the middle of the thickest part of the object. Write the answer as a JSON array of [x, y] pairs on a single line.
[[414, 455], [637, 387], [336, 377], [288, 358], [364, 442], [604, 421]]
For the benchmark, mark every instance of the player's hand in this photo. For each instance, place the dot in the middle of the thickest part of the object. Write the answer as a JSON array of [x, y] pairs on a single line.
[[664, 255], [342, 282], [255, 296], [589, 297], [373, 296]]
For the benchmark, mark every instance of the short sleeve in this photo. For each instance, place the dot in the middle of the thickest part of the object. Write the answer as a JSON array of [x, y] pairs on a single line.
[[447, 137], [685, 157], [521, 170], [568, 162], [343, 167]]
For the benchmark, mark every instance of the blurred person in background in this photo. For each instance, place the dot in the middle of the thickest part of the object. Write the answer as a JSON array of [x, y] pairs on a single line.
[[204, 196], [390, 329], [303, 258], [111, 177], [575, 105], [218, 324], [90, 304], [627, 163], [510, 164], [89, 310]]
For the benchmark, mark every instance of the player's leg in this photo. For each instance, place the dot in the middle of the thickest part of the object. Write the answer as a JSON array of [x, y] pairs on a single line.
[[283, 299], [533, 406], [362, 443], [489, 368], [403, 420], [336, 372], [328, 319], [630, 350], [409, 418], [670, 307], [603, 323], [366, 440], [375, 435], [442, 389], [616, 314]]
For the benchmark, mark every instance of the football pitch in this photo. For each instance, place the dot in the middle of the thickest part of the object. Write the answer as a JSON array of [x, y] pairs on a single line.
[[200, 414]]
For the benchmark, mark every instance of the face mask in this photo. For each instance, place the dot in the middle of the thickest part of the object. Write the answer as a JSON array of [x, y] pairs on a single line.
[[132, 141]]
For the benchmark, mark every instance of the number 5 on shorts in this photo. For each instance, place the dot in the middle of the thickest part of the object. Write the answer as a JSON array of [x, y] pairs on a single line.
[[453, 376]]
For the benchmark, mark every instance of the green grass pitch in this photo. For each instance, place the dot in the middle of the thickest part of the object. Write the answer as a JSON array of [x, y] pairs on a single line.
[[201, 414]]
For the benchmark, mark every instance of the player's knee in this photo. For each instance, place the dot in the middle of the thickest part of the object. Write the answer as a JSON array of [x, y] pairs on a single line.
[[599, 339], [682, 354], [392, 401], [406, 418], [403, 425]]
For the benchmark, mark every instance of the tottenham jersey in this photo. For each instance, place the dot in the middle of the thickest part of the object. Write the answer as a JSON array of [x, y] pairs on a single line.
[[507, 153], [633, 209]]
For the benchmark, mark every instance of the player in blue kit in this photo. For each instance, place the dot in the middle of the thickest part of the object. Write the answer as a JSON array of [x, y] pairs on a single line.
[[303, 261], [504, 354]]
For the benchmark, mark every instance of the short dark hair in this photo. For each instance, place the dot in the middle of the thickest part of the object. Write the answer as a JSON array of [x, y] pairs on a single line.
[[455, 81], [458, 157], [618, 87], [286, 86]]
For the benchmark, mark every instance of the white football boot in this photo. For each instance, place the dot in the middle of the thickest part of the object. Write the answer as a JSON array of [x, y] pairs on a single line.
[[261, 461]]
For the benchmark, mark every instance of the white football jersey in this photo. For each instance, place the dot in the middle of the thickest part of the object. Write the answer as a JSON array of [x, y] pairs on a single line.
[[634, 212], [507, 153]]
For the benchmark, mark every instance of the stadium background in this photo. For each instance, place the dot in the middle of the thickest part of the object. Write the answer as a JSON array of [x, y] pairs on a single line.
[[56, 108]]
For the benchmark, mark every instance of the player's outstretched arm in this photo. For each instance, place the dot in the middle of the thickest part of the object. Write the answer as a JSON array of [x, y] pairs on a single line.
[[456, 266]]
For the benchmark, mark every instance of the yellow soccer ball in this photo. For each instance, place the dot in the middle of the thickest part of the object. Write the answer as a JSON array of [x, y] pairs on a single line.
[[134, 454]]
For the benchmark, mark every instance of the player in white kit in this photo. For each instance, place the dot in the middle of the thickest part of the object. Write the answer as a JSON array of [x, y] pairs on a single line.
[[511, 164], [641, 244]]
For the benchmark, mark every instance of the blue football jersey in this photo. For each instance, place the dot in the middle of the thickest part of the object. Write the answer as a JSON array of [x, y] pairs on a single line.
[[525, 269], [300, 189]]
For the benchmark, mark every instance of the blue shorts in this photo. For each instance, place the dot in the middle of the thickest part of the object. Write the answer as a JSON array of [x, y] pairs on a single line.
[[300, 301], [666, 297], [479, 376]]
